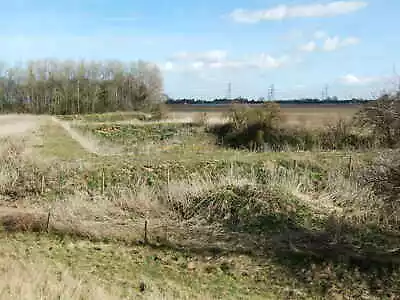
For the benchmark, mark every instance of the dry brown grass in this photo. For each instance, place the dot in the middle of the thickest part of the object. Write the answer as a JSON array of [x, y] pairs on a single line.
[[316, 118], [118, 213], [109, 214], [28, 280], [17, 124], [39, 278], [309, 116]]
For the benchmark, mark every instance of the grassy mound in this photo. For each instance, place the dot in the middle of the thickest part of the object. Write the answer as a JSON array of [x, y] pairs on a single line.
[[245, 208]]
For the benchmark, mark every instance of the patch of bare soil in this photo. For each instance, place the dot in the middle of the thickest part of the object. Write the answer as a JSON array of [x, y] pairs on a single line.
[[12, 125]]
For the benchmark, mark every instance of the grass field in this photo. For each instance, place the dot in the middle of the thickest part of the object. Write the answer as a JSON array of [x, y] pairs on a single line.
[[114, 207], [307, 115]]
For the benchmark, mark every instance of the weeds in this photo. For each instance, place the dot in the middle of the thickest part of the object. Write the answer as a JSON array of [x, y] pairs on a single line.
[[262, 128], [382, 117], [159, 111], [383, 176], [25, 279], [307, 220], [201, 119]]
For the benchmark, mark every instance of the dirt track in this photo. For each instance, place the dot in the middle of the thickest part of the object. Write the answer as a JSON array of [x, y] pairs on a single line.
[[25, 125], [90, 145], [22, 125], [11, 125]]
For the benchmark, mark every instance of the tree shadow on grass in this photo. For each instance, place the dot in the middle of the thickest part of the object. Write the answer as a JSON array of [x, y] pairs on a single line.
[[341, 259], [352, 262]]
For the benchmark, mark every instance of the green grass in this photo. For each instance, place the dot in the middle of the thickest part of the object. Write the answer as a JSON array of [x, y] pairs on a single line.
[[162, 270], [155, 139], [132, 134], [56, 143]]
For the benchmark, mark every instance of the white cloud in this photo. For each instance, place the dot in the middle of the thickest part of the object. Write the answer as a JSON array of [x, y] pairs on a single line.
[[351, 79], [197, 65], [334, 43], [169, 66], [320, 34], [218, 59], [297, 11], [350, 41], [208, 56], [232, 64], [309, 47], [331, 43], [266, 61], [260, 61]]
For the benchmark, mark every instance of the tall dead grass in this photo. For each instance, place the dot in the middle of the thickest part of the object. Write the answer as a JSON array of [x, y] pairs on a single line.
[[120, 211], [120, 207], [28, 280]]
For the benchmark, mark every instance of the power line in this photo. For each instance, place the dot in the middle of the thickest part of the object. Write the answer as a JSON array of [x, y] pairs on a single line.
[[229, 95], [325, 93], [271, 93]]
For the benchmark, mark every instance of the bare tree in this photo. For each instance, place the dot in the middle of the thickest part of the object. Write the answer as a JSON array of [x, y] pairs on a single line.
[[69, 87]]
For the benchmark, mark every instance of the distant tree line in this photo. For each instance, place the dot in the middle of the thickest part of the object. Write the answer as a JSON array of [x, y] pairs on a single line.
[[75, 87], [225, 101]]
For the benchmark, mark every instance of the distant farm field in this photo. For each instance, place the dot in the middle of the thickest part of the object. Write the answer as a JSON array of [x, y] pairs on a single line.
[[308, 115]]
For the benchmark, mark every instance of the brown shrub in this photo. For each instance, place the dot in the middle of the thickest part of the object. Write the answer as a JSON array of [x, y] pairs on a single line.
[[383, 177], [20, 221], [159, 111], [382, 117]]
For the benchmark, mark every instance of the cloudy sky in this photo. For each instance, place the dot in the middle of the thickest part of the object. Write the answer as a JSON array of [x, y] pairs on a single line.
[[298, 45]]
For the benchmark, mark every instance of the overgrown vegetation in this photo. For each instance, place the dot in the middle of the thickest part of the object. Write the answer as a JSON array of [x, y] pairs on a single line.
[[208, 222], [245, 213], [383, 176], [382, 119], [262, 128], [132, 134]]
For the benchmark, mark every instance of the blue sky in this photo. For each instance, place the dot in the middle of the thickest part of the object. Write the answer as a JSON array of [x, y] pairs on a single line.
[[298, 45]]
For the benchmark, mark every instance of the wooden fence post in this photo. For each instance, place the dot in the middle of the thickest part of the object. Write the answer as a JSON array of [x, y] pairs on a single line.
[[350, 167], [48, 221], [145, 232], [42, 184], [103, 181], [168, 176]]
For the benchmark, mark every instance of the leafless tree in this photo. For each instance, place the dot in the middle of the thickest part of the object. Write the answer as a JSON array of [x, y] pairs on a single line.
[[74, 87]]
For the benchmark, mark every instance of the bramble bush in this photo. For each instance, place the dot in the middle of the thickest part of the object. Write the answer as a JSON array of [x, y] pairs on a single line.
[[262, 127]]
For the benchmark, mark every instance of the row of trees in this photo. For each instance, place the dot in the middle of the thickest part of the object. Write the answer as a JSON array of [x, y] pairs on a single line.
[[75, 87]]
